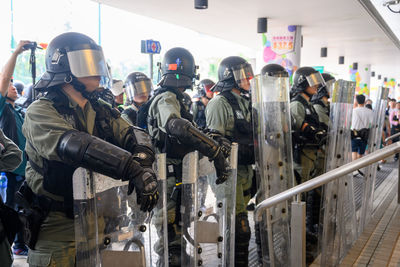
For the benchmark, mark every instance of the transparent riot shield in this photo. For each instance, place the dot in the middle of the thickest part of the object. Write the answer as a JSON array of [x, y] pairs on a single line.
[[158, 229], [274, 160], [374, 142], [338, 217], [208, 212], [110, 229]]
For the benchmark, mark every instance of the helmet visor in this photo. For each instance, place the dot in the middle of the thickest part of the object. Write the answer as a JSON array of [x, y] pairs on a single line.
[[243, 73], [138, 88], [329, 86], [315, 79], [87, 62]]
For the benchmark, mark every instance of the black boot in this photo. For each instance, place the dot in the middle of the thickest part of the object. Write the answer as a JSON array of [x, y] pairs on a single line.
[[174, 256], [311, 230], [242, 239], [263, 258]]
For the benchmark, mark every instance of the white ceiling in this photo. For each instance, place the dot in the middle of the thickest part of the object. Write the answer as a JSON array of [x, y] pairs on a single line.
[[343, 26]]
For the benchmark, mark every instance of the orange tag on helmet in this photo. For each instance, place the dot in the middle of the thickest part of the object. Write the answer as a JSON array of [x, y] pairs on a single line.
[[172, 67]]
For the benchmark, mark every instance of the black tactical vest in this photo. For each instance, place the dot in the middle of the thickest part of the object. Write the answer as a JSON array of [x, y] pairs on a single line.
[[311, 118], [326, 108], [242, 132]]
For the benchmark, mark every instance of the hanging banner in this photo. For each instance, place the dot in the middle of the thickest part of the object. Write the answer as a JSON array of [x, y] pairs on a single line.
[[362, 77], [282, 46]]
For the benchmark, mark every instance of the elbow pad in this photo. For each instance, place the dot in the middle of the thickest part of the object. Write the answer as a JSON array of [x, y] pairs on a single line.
[[80, 149], [188, 135]]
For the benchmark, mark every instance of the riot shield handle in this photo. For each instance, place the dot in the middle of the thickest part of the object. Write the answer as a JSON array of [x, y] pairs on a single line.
[[234, 156]]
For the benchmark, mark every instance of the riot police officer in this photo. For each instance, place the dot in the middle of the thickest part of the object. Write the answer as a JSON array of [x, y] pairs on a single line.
[[138, 88], [228, 115], [68, 128], [320, 100], [204, 95], [307, 130], [308, 136], [170, 126]]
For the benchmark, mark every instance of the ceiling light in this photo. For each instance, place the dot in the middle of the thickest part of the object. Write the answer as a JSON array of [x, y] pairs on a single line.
[[324, 51], [200, 4], [262, 25]]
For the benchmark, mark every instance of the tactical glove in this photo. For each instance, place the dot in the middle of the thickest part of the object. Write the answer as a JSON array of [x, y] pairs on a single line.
[[222, 167], [141, 147], [144, 155], [320, 137], [224, 143], [145, 183]]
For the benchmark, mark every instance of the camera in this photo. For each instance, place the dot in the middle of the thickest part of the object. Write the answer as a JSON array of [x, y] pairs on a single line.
[[31, 45]]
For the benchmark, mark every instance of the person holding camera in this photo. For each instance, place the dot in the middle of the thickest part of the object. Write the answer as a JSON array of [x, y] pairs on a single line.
[[11, 120], [360, 125]]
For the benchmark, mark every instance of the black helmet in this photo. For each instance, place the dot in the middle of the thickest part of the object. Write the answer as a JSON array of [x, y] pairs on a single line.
[[73, 55], [178, 69], [274, 70], [326, 89], [19, 86], [204, 87], [329, 79], [306, 77], [233, 72], [137, 84]]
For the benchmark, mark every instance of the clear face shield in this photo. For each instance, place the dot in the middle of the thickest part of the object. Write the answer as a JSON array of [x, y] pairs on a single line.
[[138, 89], [90, 63], [315, 80], [329, 86], [243, 74]]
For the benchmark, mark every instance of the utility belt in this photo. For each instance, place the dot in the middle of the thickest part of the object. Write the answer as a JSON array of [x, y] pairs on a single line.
[[35, 209]]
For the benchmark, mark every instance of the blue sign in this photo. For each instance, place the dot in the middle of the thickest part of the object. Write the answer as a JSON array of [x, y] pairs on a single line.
[[151, 47]]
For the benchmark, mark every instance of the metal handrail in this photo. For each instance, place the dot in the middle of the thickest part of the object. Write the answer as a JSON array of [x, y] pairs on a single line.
[[392, 137], [327, 177]]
